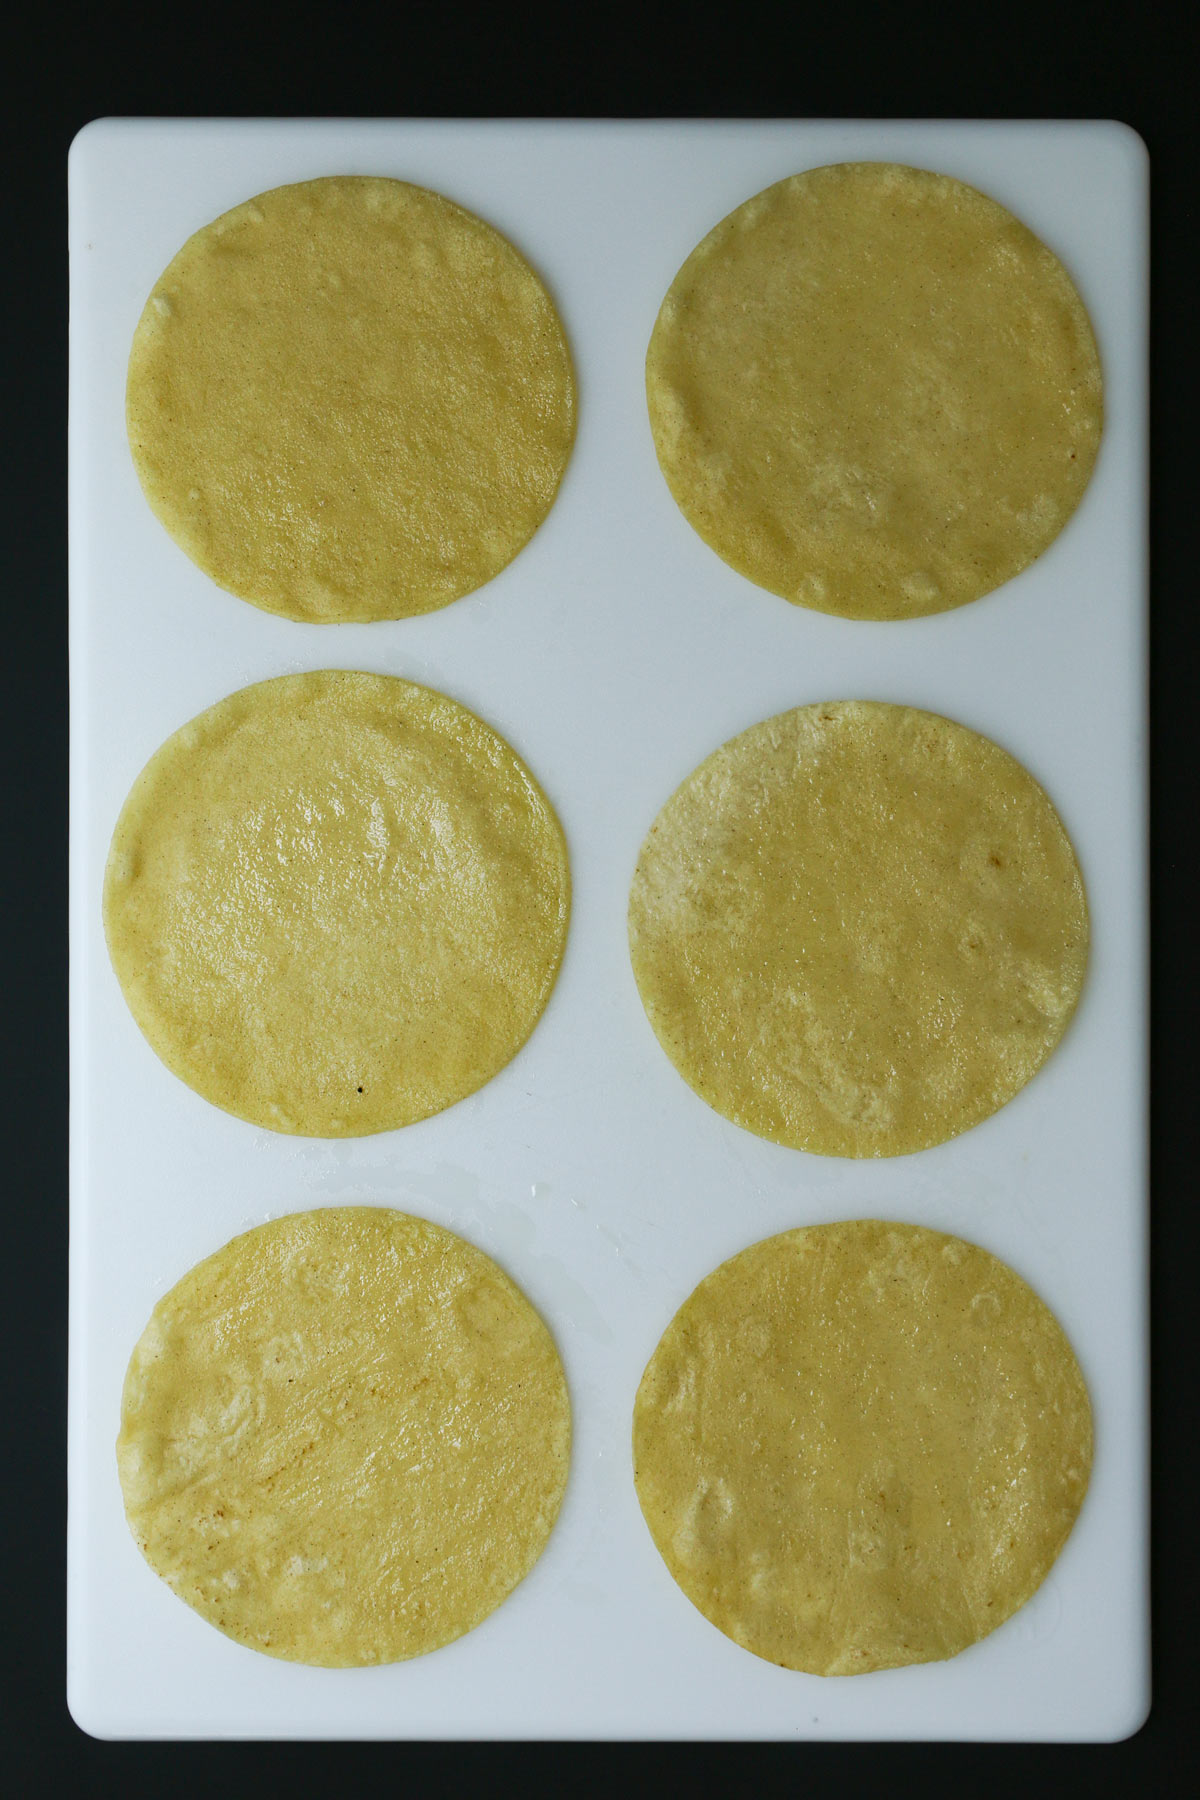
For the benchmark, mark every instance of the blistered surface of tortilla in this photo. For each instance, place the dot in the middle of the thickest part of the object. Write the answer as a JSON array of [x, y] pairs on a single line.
[[861, 1445], [858, 928], [336, 903], [350, 399], [344, 1437], [874, 391]]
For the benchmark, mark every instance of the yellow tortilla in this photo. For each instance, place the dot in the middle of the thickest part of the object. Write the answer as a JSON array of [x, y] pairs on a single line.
[[861, 1445], [874, 391], [336, 903], [350, 399], [858, 928], [344, 1437]]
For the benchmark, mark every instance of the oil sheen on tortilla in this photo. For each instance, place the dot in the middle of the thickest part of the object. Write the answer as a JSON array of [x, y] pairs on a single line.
[[350, 399], [874, 391], [344, 1437], [861, 1445], [336, 903], [858, 928]]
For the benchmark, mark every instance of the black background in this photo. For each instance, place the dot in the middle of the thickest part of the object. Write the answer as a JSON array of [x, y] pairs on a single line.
[[63, 69]]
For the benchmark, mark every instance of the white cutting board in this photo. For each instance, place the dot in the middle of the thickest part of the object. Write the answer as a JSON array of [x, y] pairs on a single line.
[[615, 653]]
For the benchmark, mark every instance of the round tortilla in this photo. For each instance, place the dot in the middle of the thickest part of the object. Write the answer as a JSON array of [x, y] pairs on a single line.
[[336, 903], [861, 1445], [858, 928], [344, 1437], [350, 399], [874, 391]]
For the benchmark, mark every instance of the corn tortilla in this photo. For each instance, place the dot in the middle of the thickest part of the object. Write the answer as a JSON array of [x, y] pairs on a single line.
[[874, 391], [336, 903], [858, 929], [344, 1437], [861, 1445], [350, 399]]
